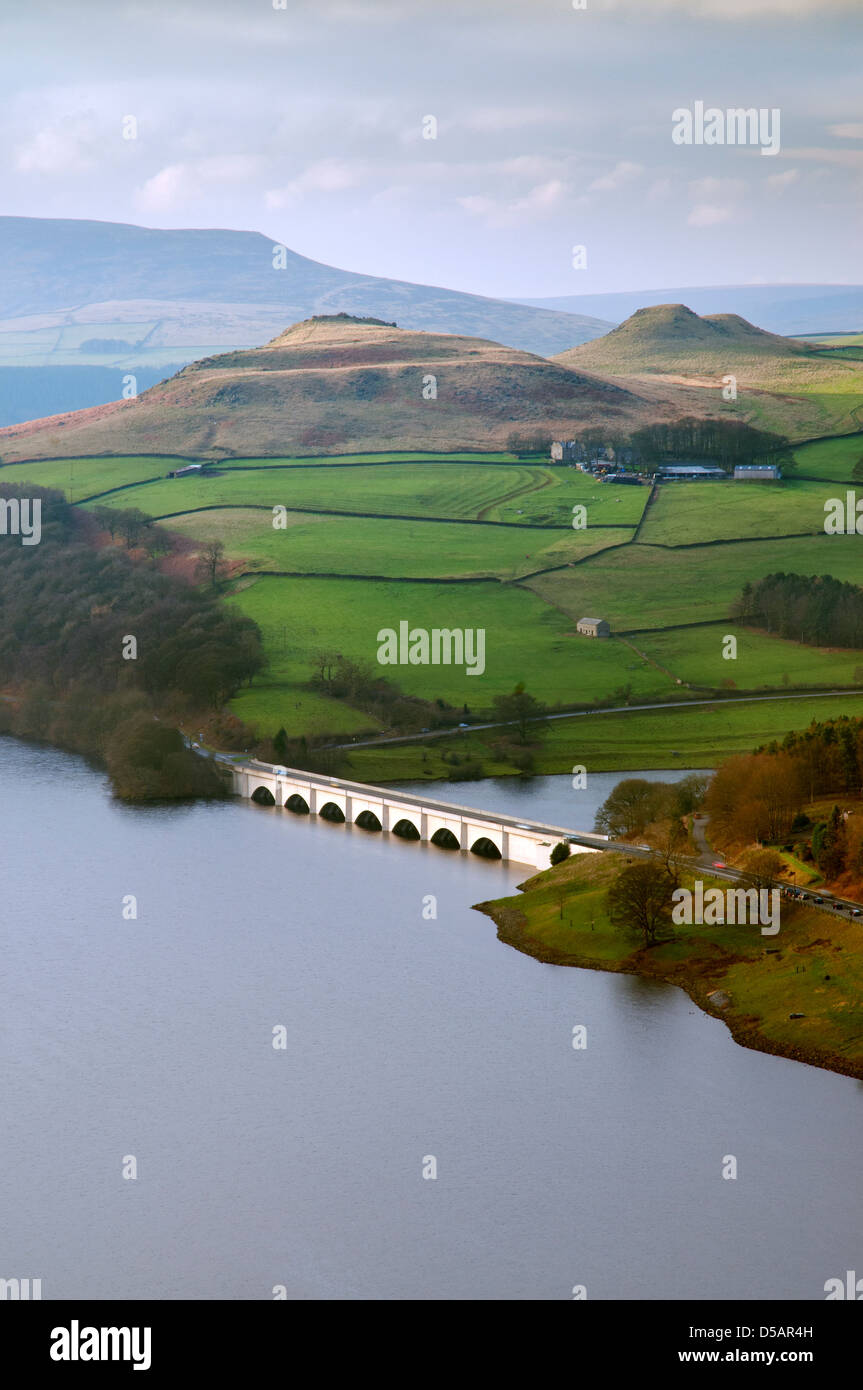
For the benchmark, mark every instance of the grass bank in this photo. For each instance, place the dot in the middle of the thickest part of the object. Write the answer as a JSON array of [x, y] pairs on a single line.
[[813, 967]]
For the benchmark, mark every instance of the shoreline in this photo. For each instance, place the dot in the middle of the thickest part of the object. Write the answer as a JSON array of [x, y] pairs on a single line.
[[512, 925]]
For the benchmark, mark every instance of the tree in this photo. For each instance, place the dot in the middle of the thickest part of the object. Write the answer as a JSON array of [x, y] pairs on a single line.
[[524, 442], [830, 845], [149, 761], [281, 746], [640, 899], [631, 806], [211, 568], [760, 867], [689, 793], [560, 852], [673, 843], [521, 709]]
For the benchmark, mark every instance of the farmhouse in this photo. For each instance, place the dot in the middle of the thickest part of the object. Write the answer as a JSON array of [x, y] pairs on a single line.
[[757, 473], [566, 451], [187, 468], [593, 627]]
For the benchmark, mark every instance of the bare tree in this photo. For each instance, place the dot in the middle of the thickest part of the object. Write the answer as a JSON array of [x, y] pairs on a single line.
[[211, 567], [640, 900]]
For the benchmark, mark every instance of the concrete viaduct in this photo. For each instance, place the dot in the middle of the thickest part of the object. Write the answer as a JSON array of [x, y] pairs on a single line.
[[410, 817]]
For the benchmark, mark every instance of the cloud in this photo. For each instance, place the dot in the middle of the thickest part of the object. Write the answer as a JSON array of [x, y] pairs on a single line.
[[186, 180], [715, 201], [163, 189], [740, 9], [852, 130], [849, 159], [659, 191], [65, 148], [622, 173], [777, 183], [496, 118], [324, 176], [539, 202]]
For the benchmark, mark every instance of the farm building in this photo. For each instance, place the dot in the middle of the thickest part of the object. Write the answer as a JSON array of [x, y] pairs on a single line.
[[566, 451], [757, 473], [593, 627], [688, 472], [187, 468]]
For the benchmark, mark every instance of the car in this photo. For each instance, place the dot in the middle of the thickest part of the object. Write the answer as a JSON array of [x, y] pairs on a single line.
[[464, 726], [857, 912], [718, 864], [425, 731]]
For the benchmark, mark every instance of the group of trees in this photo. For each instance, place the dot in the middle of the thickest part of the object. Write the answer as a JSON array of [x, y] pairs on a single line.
[[361, 684], [522, 443], [101, 632], [725, 442], [760, 797], [149, 761], [755, 797], [806, 608], [636, 803]]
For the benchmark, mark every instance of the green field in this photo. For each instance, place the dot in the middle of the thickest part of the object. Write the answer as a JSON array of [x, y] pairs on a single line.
[[690, 513], [762, 662], [525, 639], [697, 547], [831, 459], [81, 478], [401, 456], [506, 492], [686, 736], [399, 549], [645, 586]]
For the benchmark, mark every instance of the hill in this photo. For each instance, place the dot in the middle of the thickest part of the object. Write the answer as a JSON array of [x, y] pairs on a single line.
[[793, 388], [147, 288], [337, 384], [672, 337], [787, 309]]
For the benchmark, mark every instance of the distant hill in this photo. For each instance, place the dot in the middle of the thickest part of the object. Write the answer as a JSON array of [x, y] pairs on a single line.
[[786, 309], [156, 278], [341, 384], [785, 385], [671, 337]]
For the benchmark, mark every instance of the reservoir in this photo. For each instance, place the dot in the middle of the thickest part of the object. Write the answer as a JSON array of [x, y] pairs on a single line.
[[408, 1037]]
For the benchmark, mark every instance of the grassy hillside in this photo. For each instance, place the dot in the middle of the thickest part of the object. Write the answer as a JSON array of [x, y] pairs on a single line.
[[784, 384], [339, 385], [400, 523], [797, 994]]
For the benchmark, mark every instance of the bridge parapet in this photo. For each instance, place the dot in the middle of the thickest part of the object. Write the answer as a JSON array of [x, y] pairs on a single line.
[[522, 842]]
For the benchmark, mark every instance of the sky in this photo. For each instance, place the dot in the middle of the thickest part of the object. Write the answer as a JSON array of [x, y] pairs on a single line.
[[513, 148]]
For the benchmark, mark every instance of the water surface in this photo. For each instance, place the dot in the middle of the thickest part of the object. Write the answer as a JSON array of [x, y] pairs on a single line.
[[406, 1037]]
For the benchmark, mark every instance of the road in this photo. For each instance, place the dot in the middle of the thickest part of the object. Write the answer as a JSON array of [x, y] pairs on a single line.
[[582, 713]]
